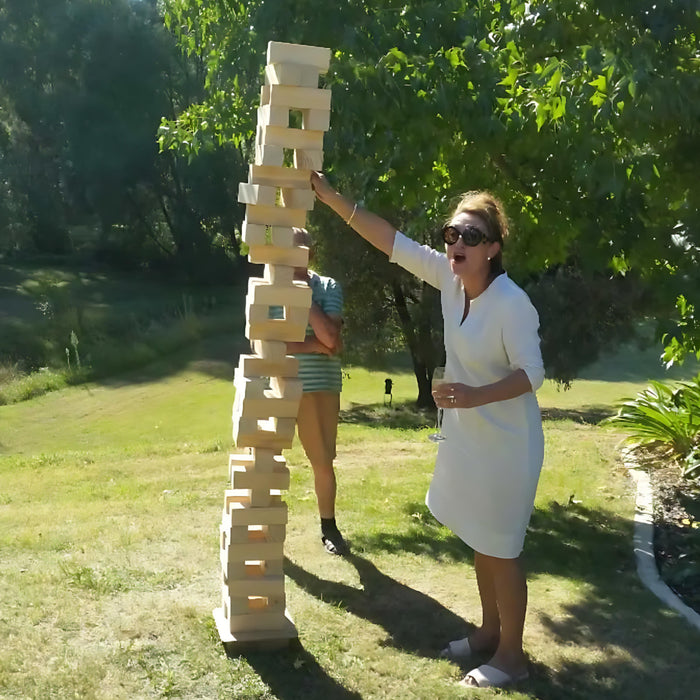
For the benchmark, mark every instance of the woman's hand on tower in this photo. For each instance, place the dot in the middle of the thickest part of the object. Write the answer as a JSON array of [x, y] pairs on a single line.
[[321, 186]]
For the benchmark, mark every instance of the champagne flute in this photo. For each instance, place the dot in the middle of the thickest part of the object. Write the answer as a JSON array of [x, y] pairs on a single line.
[[438, 378]]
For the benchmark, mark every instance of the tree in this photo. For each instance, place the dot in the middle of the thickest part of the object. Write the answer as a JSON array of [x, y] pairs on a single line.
[[580, 115], [83, 87]]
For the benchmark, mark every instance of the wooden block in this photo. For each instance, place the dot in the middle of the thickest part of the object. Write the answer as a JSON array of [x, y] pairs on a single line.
[[248, 432], [275, 533], [291, 328], [256, 569], [315, 119], [284, 426], [259, 640], [256, 550], [257, 622], [279, 177], [295, 97], [241, 499], [252, 604], [266, 585], [253, 366], [291, 74], [259, 131], [254, 234], [296, 294], [284, 386], [254, 400], [297, 315], [250, 479], [282, 52], [268, 408], [259, 498], [274, 567], [259, 234], [260, 460], [234, 570], [282, 236], [308, 160], [276, 330], [269, 254], [258, 313], [236, 605], [235, 535], [275, 216], [282, 275], [303, 139], [269, 155], [266, 604], [298, 199], [273, 116], [270, 350], [249, 387], [242, 515], [257, 194]]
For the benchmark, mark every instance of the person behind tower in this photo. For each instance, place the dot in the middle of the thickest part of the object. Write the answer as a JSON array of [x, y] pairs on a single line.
[[321, 376]]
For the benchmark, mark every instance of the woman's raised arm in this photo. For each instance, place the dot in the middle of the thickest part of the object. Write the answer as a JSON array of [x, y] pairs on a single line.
[[377, 231]]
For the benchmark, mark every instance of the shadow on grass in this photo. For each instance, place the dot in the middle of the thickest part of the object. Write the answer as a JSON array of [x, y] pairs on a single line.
[[402, 415], [406, 416], [216, 356], [590, 415], [636, 644], [294, 673], [414, 622]]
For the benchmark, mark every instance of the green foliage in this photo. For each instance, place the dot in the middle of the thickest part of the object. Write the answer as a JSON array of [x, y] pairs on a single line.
[[582, 116], [78, 142], [665, 417], [581, 313], [683, 338]]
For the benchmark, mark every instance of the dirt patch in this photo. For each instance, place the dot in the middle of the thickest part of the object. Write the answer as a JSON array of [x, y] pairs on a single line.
[[677, 532]]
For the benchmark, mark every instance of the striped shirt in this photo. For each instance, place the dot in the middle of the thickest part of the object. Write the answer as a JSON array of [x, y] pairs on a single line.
[[320, 372]]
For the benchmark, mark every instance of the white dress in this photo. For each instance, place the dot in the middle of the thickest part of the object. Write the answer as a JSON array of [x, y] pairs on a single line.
[[487, 469]]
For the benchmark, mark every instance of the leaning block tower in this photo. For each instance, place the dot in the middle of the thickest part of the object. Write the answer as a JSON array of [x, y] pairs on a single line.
[[277, 196]]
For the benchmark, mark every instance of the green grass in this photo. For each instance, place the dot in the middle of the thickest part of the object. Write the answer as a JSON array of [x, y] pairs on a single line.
[[110, 503]]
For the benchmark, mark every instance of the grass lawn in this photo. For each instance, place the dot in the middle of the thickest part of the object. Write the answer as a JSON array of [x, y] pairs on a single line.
[[110, 503]]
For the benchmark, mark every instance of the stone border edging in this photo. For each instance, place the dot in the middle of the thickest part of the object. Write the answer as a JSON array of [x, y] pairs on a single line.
[[644, 545]]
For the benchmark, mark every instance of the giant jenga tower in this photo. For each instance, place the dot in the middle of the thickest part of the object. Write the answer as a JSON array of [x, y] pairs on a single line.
[[277, 197]]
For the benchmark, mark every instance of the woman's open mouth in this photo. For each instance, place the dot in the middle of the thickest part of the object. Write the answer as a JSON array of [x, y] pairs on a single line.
[[458, 257]]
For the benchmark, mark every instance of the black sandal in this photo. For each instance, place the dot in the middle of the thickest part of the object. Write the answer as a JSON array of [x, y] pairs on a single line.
[[335, 544]]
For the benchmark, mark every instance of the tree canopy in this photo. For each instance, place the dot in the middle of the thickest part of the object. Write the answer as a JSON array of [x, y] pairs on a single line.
[[83, 87], [583, 116]]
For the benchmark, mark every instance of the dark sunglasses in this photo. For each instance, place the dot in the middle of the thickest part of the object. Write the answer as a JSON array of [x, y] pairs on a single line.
[[471, 235]]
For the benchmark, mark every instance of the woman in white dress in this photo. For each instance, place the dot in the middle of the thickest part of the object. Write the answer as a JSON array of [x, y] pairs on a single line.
[[488, 466]]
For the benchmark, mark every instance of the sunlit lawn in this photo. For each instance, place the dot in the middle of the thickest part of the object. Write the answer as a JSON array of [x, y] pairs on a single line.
[[110, 501]]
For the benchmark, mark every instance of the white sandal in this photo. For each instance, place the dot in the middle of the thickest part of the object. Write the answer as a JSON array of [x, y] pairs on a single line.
[[491, 677], [457, 649]]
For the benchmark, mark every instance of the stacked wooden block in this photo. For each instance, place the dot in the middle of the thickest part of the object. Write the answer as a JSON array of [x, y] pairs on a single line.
[[278, 196]]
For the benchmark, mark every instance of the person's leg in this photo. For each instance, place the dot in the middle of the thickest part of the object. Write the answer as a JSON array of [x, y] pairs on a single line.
[[510, 591], [486, 637], [317, 425]]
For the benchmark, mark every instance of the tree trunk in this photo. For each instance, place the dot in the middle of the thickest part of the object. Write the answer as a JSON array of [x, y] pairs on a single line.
[[420, 342]]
